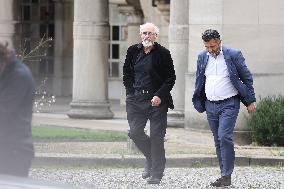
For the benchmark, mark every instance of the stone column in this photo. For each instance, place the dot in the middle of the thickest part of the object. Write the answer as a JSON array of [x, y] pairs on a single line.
[[178, 45], [200, 19], [7, 22], [58, 48], [90, 59], [134, 20], [63, 48]]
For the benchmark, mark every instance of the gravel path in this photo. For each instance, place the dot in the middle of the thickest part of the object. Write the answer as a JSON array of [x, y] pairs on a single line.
[[175, 178]]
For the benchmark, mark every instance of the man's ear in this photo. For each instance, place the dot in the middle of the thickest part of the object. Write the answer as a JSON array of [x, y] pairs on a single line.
[[219, 41]]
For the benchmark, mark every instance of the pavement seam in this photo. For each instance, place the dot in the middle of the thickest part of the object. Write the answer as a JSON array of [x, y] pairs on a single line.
[[138, 161]]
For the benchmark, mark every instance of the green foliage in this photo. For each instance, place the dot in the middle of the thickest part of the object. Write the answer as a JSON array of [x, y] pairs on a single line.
[[267, 122], [52, 133]]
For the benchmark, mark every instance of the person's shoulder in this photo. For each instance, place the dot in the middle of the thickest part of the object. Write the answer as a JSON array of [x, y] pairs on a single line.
[[231, 51], [21, 67], [22, 72], [136, 46], [161, 48], [201, 55]]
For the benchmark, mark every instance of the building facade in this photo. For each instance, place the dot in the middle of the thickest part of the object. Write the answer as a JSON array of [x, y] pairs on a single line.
[[84, 59]]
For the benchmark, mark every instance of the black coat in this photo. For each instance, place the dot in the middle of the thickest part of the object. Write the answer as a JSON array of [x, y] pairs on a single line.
[[162, 75], [16, 102]]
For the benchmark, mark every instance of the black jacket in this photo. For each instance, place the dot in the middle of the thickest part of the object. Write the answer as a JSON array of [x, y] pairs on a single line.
[[162, 75], [16, 102]]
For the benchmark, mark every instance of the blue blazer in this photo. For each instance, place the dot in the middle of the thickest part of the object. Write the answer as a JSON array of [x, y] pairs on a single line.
[[239, 74]]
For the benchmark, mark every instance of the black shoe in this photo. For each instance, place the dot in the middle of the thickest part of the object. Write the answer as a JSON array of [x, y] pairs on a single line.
[[154, 180], [147, 170], [223, 181], [146, 174]]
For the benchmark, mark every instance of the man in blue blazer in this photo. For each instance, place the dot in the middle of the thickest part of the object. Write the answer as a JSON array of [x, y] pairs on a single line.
[[222, 81]]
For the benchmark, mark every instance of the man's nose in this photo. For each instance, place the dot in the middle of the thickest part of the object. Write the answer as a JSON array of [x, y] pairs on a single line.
[[146, 37]]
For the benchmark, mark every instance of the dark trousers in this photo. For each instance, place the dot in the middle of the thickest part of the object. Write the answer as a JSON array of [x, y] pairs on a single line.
[[139, 110], [222, 117]]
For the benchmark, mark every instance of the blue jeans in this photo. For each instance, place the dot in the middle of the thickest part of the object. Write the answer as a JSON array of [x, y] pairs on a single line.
[[222, 118]]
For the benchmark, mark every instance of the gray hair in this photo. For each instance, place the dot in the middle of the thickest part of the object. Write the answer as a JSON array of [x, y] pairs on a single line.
[[156, 29]]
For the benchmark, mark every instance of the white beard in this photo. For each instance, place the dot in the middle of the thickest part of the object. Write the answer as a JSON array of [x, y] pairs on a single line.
[[147, 43]]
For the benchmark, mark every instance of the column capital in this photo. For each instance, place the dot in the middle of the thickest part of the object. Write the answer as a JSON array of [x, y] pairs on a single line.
[[164, 7], [134, 16]]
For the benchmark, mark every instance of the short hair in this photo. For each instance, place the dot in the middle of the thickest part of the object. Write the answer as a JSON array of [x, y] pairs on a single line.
[[209, 34], [156, 29]]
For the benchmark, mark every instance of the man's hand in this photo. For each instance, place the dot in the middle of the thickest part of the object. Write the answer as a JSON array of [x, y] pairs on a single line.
[[251, 108], [156, 101]]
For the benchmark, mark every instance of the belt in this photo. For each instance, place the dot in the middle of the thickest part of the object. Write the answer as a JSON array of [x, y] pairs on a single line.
[[220, 101], [142, 92]]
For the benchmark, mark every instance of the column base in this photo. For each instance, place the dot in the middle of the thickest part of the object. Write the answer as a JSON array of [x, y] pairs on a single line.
[[176, 118], [90, 110]]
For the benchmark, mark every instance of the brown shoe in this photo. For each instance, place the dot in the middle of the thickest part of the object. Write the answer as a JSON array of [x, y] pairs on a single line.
[[223, 181]]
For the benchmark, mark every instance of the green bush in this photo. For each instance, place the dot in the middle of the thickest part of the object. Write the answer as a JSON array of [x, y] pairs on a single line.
[[267, 122]]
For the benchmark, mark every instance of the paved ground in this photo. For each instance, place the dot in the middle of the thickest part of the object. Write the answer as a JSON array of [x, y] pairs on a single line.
[[55, 161], [175, 178]]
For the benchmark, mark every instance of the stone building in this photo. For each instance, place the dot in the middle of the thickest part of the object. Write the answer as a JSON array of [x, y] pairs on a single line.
[[90, 38]]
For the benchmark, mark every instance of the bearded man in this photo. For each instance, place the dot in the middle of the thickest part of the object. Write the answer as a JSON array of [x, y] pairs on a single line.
[[148, 77]]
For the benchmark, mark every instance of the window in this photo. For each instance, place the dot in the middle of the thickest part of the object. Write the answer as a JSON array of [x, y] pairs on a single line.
[[115, 33], [115, 51], [37, 22], [116, 37]]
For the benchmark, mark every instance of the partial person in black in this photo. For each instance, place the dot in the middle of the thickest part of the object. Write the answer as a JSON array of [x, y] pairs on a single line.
[[16, 102], [149, 76]]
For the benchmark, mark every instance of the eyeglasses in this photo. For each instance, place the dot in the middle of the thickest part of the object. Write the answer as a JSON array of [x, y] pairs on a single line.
[[148, 33]]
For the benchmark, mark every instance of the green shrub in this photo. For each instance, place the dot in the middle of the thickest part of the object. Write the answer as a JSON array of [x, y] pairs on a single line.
[[267, 122]]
